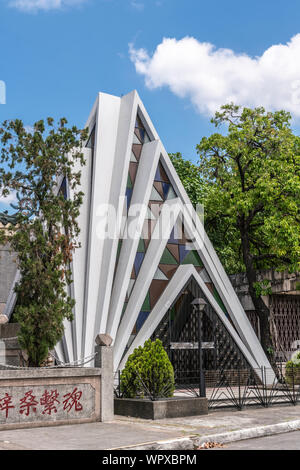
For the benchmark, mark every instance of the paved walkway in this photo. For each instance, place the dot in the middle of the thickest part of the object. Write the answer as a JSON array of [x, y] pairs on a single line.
[[172, 434]]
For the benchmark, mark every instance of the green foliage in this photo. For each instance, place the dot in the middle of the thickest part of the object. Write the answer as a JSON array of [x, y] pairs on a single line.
[[190, 177], [252, 187], [262, 287], [252, 194], [294, 362], [44, 237], [248, 181], [292, 369], [149, 371]]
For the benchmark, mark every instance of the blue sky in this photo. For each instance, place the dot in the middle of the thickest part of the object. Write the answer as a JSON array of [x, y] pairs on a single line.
[[57, 54]]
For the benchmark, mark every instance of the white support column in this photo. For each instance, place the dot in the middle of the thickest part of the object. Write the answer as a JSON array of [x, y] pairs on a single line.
[[140, 197], [160, 236], [126, 125], [107, 119]]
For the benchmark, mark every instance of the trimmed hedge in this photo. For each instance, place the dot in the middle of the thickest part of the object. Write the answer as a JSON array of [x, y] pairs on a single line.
[[148, 372]]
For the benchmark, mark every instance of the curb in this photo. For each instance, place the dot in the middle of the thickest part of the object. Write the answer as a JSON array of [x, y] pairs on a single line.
[[193, 442]]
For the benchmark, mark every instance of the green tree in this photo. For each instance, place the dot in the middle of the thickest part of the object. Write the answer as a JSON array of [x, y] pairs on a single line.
[[252, 195], [148, 371], [222, 235], [190, 176], [44, 237]]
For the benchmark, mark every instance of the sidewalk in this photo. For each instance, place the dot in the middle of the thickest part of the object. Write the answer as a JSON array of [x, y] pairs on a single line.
[[177, 433]]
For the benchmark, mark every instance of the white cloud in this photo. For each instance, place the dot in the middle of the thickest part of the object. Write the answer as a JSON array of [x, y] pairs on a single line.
[[210, 77], [11, 198], [46, 5], [137, 5]]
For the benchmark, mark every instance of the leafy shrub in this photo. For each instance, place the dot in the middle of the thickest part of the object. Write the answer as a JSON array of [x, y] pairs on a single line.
[[292, 369], [294, 362], [148, 371]]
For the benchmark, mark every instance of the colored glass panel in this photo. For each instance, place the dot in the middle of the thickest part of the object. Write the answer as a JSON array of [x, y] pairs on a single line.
[[174, 250], [128, 196], [193, 258], [167, 258], [146, 304], [166, 188], [168, 270], [159, 188], [133, 157], [139, 257], [141, 246], [137, 150], [141, 320], [219, 300], [160, 276], [163, 174], [183, 252], [129, 183], [156, 289], [132, 171], [171, 194], [155, 196]]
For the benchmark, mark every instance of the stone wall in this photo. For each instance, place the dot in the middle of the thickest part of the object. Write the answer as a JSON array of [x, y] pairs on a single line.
[[8, 269], [10, 351], [281, 283], [284, 306], [56, 396]]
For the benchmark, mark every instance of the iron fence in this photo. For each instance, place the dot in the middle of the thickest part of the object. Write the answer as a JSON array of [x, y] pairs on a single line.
[[243, 387], [237, 388]]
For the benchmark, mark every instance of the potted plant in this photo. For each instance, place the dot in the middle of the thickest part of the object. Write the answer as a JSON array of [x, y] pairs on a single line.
[[147, 387]]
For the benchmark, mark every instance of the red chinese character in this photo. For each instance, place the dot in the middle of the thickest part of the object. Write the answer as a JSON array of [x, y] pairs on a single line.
[[28, 402], [5, 404], [72, 399], [48, 400]]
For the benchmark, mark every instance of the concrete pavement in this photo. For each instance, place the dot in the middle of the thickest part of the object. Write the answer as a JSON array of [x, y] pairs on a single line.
[[176, 433]]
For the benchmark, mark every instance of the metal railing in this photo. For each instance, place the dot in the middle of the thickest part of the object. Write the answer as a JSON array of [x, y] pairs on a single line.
[[243, 387], [237, 388]]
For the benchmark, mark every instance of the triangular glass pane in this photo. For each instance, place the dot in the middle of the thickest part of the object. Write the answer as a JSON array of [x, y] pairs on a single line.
[[141, 320], [193, 258], [136, 140], [167, 258], [171, 194], [141, 247], [149, 215], [159, 275], [155, 196], [139, 257], [132, 157], [146, 304], [129, 183]]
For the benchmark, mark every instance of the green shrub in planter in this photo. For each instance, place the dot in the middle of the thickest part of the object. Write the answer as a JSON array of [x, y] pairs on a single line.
[[148, 372], [292, 369]]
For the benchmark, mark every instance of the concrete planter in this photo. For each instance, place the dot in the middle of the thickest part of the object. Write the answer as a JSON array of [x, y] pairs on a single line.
[[56, 396], [174, 407], [292, 375]]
